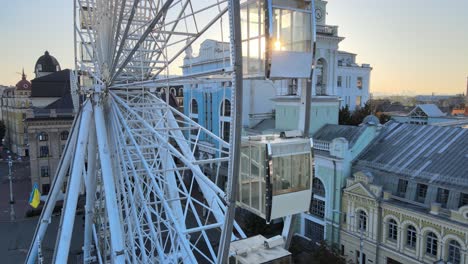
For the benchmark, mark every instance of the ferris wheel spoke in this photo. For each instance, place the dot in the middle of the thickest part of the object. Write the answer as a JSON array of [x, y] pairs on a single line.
[[142, 38], [123, 37], [165, 208], [201, 227], [190, 41], [151, 196]]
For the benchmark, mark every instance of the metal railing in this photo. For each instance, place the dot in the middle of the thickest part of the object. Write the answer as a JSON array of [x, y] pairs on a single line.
[[327, 30], [321, 145]]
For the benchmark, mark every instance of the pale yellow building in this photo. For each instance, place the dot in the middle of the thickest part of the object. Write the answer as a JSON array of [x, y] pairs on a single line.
[[15, 103], [407, 201]]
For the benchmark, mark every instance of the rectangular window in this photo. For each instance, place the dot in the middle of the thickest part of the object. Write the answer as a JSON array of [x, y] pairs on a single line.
[[463, 199], [358, 101], [314, 231], [402, 186], [342, 250], [318, 208], [344, 217], [226, 127], [45, 189], [358, 256], [43, 151], [421, 192], [44, 171], [339, 81], [359, 82], [442, 196]]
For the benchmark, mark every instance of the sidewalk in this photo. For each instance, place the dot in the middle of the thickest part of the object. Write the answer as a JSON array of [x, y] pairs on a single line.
[[21, 189]]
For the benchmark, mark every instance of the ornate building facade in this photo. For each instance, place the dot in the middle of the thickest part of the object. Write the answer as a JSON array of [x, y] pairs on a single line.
[[49, 121], [407, 201], [15, 103], [335, 147]]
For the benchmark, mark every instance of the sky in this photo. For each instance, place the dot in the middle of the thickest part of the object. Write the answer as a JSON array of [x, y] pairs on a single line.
[[414, 46]]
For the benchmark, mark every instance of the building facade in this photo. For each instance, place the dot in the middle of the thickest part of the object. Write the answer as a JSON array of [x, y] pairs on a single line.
[[338, 73], [335, 147], [429, 114], [15, 103], [48, 130], [407, 201], [48, 121]]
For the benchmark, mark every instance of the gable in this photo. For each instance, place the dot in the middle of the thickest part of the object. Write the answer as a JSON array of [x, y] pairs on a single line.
[[360, 189]]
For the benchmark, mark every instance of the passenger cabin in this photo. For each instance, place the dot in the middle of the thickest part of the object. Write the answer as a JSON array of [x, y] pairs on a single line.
[[275, 176], [277, 38]]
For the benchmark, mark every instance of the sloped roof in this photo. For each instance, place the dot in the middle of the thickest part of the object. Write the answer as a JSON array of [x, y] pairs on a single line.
[[432, 154], [431, 110], [65, 102], [56, 84], [329, 132]]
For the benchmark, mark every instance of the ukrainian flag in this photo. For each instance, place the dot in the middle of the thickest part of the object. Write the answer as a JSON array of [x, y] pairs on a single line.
[[35, 197]]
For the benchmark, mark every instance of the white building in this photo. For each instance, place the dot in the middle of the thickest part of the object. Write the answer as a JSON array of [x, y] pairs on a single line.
[[338, 72]]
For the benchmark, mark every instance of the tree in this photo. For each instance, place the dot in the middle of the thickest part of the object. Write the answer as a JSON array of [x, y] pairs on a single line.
[[361, 113], [2, 130], [344, 116], [355, 118], [384, 118]]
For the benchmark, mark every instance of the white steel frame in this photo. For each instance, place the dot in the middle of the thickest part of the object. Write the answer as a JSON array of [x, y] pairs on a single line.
[[148, 199]]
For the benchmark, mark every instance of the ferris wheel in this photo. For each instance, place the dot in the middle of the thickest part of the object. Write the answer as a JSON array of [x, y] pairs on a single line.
[[148, 197]]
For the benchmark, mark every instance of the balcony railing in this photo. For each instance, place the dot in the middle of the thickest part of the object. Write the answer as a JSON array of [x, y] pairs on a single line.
[[327, 30], [320, 145]]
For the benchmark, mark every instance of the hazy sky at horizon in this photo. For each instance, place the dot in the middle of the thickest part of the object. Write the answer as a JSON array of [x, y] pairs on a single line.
[[414, 47]]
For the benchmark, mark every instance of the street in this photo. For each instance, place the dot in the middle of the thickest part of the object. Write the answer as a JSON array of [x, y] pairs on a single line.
[[21, 189]]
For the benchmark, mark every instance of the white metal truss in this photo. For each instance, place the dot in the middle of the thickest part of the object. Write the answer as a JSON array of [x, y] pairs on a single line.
[[149, 198]]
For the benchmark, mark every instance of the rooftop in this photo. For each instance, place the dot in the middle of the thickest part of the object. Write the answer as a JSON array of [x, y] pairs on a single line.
[[427, 153], [431, 110], [329, 132]]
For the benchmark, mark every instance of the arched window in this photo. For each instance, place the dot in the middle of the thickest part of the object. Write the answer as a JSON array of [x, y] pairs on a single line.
[[431, 244], [181, 92], [392, 229], [173, 91], [454, 252], [194, 107], [225, 108], [43, 136], [362, 221], [317, 187], [64, 135], [411, 236]]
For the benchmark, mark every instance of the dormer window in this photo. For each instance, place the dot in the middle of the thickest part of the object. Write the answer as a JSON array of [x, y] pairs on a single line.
[[463, 199], [39, 67]]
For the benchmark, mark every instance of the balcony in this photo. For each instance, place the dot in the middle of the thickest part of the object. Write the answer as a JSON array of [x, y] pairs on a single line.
[[321, 145], [327, 30]]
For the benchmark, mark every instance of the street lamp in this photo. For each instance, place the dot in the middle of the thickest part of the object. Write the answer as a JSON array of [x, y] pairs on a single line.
[[10, 178]]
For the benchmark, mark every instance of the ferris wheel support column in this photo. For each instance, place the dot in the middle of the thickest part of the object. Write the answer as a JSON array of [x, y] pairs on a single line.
[[90, 194], [306, 96], [236, 129], [73, 191], [118, 253]]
